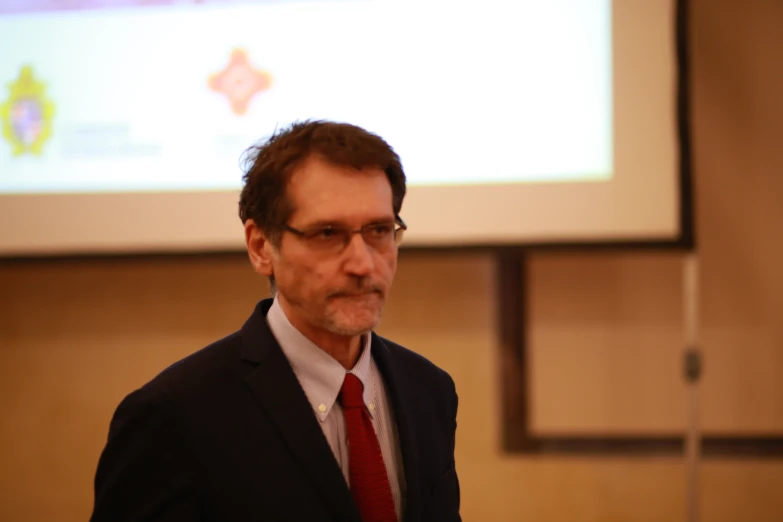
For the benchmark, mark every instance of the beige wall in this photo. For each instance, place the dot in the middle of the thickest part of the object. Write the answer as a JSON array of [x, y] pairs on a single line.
[[605, 334]]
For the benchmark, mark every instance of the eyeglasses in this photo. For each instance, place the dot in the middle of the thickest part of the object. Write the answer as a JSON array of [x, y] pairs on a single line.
[[335, 238]]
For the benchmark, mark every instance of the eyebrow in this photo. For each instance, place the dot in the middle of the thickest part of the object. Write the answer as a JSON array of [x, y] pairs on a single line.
[[341, 224]]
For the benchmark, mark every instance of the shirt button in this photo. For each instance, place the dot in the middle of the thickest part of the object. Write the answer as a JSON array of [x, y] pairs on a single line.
[[322, 408]]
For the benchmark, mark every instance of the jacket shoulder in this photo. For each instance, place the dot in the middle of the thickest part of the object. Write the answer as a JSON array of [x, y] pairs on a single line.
[[200, 370], [417, 365]]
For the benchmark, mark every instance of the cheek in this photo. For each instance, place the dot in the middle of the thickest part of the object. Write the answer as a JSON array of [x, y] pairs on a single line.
[[307, 277], [291, 273], [387, 266]]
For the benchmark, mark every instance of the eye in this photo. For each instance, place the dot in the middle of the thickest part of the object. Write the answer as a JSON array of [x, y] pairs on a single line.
[[381, 229], [325, 233]]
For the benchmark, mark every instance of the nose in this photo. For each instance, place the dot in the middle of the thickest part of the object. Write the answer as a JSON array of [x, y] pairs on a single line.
[[358, 257]]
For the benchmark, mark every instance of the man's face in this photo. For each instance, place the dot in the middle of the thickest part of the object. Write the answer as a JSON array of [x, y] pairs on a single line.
[[339, 291]]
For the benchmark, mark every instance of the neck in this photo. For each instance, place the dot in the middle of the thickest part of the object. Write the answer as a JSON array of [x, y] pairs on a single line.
[[345, 350]]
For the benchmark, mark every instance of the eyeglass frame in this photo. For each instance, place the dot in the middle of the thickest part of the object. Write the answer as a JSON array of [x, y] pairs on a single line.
[[397, 232]]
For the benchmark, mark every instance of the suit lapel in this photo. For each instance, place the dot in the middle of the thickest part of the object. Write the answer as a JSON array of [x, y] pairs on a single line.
[[400, 392], [275, 385]]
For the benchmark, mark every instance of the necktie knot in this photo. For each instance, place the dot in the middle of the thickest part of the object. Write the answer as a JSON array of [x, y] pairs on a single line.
[[352, 392]]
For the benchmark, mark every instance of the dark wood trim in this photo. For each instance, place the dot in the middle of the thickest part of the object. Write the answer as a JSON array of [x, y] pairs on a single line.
[[515, 388], [121, 257], [749, 447], [687, 199], [511, 294], [405, 250]]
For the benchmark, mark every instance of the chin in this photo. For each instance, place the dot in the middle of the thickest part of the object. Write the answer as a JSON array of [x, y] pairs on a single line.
[[350, 331], [351, 324]]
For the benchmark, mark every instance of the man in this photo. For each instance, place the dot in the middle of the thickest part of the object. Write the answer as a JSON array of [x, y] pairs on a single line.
[[304, 414]]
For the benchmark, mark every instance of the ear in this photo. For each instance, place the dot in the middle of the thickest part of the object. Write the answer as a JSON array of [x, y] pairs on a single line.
[[259, 249]]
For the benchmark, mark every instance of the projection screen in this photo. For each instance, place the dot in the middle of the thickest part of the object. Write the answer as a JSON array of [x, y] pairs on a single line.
[[518, 122]]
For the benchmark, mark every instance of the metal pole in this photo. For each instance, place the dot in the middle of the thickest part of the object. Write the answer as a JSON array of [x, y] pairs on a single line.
[[692, 371]]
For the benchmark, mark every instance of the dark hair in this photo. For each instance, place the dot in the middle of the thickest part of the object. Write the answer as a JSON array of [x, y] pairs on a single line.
[[270, 164]]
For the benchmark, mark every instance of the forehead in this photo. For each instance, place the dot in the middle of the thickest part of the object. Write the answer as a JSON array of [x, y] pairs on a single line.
[[322, 191]]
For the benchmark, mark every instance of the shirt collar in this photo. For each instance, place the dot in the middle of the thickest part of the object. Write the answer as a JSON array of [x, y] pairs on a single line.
[[320, 375]]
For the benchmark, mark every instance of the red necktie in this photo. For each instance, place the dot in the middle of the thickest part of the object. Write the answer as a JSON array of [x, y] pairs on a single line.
[[369, 482]]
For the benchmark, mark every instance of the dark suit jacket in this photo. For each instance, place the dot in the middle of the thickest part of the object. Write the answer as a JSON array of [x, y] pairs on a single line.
[[227, 434]]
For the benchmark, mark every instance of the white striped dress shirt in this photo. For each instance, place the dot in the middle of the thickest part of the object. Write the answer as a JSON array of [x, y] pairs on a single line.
[[321, 378]]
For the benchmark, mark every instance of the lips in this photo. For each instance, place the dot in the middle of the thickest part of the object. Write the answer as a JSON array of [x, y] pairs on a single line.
[[354, 294]]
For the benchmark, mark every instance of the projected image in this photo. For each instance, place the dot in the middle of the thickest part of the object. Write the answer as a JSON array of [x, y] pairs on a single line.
[[143, 96], [239, 81], [27, 114]]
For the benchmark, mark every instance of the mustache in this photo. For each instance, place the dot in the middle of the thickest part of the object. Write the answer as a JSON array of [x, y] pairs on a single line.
[[359, 288]]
